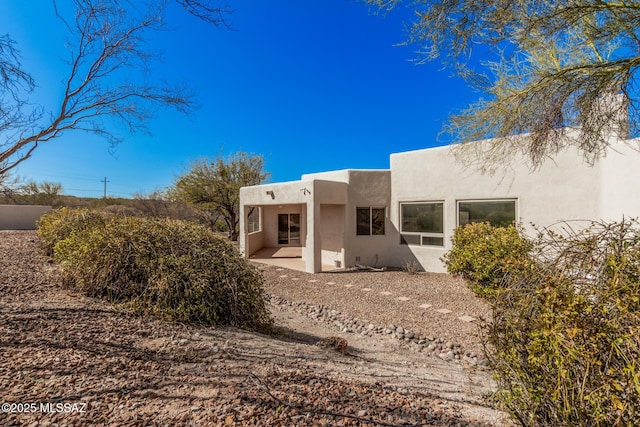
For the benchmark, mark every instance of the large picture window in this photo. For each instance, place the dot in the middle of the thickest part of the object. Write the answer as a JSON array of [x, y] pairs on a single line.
[[370, 221], [422, 224], [499, 213]]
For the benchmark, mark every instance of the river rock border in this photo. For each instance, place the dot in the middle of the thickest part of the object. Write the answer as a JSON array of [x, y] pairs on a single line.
[[429, 345]]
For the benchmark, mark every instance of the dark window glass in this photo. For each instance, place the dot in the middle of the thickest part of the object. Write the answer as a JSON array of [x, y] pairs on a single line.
[[377, 221], [363, 221], [410, 239], [500, 213], [422, 218], [370, 221], [432, 241]]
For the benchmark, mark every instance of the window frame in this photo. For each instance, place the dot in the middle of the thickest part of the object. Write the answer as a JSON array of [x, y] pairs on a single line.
[[422, 234], [259, 222], [506, 199], [371, 218]]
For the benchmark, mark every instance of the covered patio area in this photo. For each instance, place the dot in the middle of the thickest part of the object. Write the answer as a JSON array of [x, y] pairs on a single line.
[[300, 224], [285, 257]]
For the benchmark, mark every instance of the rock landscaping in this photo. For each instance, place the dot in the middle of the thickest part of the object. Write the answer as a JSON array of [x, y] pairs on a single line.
[[445, 350], [69, 360], [431, 313]]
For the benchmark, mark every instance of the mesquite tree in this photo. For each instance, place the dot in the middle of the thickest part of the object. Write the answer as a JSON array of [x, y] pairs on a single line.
[[214, 185]]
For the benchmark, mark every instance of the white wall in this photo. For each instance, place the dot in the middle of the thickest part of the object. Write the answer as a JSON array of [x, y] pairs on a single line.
[[277, 198], [621, 181], [562, 189], [21, 217], [319, 236]]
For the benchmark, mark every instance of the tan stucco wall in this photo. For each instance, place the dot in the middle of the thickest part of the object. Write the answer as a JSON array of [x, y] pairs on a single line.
[[270, 222], [283, 193], [368, 188], [332, 233], [335, 176], [256, 242], [21, 217]]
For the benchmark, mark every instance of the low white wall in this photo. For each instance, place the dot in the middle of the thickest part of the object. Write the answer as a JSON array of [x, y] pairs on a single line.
[[256, 242], [21, 217]]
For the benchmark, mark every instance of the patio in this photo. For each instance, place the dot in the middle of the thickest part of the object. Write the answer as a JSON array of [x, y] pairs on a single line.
[[286, 257]]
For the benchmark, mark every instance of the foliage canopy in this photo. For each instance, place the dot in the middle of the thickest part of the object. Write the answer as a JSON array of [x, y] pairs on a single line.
[[563, 338], [215, 185], [483, 255], [176, 270], [542, 64]]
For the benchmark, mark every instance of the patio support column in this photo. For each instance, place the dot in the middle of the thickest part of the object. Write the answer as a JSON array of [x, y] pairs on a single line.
[[243, 236], [313, 262]]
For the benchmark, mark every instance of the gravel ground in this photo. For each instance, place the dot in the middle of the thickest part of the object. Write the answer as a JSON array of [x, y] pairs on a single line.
[[365, 301], [68, 360]]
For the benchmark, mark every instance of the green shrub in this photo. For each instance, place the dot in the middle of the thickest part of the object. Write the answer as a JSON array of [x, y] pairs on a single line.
[[566, 337], [59, 224], [483, 255], [169, 268]]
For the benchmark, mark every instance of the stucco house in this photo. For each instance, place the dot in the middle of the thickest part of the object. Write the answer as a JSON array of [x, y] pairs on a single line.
[[409, 212]]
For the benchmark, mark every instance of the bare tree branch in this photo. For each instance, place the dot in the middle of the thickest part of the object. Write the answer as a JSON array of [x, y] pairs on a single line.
[[107, 79], [209, 11]]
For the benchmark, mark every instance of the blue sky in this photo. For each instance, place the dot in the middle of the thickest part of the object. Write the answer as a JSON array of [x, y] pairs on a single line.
[[312, 86]]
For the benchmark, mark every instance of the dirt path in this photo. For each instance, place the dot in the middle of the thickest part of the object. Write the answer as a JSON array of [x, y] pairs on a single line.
[[70, 360], [377, 360]]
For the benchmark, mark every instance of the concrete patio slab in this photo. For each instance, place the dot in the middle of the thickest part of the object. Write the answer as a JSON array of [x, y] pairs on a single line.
[[288, 257]]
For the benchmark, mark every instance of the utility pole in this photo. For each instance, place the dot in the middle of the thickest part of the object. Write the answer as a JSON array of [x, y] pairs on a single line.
[[104, 195]]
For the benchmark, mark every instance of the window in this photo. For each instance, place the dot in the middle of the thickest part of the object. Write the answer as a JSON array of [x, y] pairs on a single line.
[[422, 224], [253, 219], [370, 221], [499, 213]]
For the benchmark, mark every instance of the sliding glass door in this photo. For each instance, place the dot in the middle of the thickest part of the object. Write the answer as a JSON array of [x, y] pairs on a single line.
[[289, 229]]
